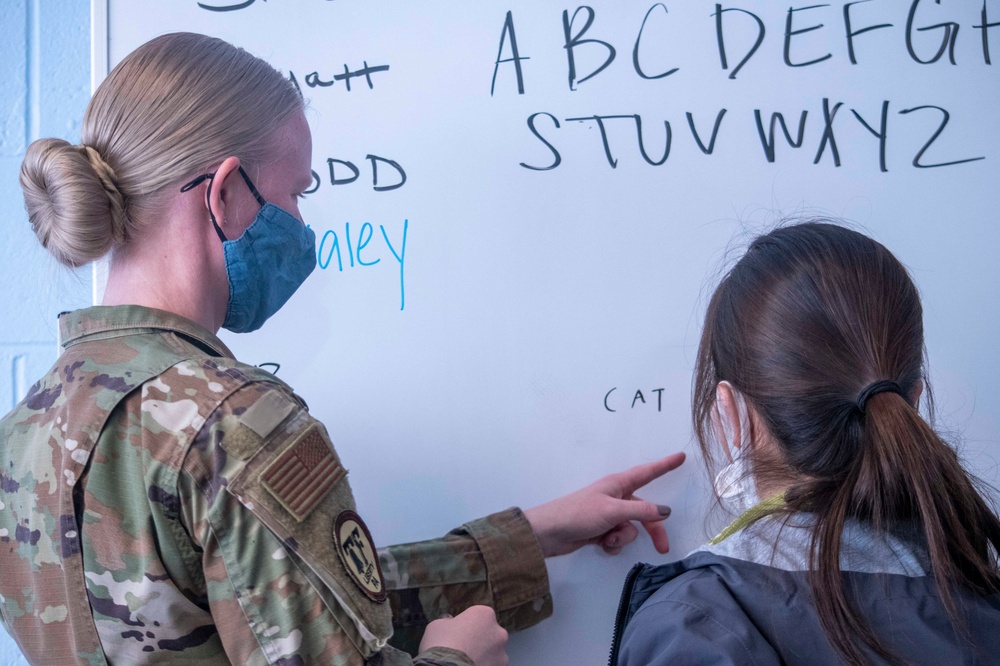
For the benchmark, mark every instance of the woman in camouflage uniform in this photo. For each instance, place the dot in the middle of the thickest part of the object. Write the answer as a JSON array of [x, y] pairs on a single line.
[[160, 500]]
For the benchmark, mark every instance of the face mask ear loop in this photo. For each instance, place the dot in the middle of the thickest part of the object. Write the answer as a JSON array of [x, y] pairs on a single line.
[[735, 480], [720, 431], [208, 200], [253, 190], [744, 415], [727, 427], [210, 177], [724, 430]]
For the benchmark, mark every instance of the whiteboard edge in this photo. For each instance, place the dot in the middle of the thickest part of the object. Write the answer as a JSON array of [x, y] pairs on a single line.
[[99, 55], [98, 42]]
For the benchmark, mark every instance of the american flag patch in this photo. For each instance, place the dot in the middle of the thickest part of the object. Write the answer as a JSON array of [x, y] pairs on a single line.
[[303, 474]]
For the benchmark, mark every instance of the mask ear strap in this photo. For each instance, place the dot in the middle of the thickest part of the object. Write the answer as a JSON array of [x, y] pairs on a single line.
[[197, 181], [210, 177], [208, 197], [726, 424], [745, 425], [253, 190]]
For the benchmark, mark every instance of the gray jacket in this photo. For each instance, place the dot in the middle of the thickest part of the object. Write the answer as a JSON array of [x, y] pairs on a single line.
[[747, 601]]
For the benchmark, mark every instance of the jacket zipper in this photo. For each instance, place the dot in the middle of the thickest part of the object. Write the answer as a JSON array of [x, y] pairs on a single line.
[[630, 579]]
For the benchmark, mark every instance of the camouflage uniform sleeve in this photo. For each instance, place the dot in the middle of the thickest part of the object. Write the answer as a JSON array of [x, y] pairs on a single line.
[[276, 587], [494, 561], [439, 656]]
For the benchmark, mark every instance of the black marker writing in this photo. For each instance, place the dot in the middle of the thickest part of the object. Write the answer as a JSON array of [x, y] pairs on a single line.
[[637, 398], [642, 147], [767, 142], [828, 138], [231, 8], [556, 157], [851, 34], [572, 41], [719, 11], [766, 132], [635, 49], [948, 37], [345, 172], [984, 28], [315, 184], [880, 134], [355, 172], [508, 35], [227, 8], [715, 132], [604, 134], [789, 33], [314, 80], [944, 121]]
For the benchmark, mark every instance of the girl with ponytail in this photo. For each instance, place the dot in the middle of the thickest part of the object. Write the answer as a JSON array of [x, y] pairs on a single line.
[[859, 538]]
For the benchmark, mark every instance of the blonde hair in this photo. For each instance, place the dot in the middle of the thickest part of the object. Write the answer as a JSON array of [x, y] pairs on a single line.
[[173, 108]]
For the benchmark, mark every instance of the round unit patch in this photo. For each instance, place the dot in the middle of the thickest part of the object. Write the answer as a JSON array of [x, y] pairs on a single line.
[[357, 552]]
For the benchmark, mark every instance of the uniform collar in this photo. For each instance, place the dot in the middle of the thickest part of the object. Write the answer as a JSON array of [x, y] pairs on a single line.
[[101, 321]]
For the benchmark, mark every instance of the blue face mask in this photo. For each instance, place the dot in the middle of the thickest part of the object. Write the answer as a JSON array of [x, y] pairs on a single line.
[[266, 264]]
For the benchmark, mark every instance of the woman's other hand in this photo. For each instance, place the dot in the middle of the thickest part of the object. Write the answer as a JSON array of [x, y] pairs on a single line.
[[603, 513], [474, 631]]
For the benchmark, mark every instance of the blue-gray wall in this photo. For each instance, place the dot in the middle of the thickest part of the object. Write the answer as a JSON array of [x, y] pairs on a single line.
[[45, 56]]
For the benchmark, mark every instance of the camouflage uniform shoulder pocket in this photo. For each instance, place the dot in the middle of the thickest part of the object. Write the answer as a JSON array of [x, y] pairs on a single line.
[[293, 481]]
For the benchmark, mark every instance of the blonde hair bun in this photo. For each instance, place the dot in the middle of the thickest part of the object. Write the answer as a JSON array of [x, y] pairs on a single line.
[[74, 205], [172, 109]]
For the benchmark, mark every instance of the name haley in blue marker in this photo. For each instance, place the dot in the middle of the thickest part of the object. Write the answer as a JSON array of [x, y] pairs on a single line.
[[360, 255]]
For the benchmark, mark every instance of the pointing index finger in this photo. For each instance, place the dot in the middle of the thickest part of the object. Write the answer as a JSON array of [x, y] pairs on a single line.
[[636, 477]]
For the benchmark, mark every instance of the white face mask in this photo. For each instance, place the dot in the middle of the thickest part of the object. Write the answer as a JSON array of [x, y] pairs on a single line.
[[734, 483]]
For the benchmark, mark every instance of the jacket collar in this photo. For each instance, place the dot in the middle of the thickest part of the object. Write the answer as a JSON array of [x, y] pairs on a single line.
[[101, 322]]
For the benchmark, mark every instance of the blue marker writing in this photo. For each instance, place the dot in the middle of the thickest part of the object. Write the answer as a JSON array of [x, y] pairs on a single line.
[[400, 257], [330, 244]]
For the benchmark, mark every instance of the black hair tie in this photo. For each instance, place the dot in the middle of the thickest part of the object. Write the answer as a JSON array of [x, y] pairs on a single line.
[[881, 386]]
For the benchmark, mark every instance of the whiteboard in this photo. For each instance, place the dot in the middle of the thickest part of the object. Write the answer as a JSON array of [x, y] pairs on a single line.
[[539, 328]]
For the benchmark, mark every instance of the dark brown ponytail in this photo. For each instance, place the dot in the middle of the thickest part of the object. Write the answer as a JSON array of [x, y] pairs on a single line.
[[812, 316]]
